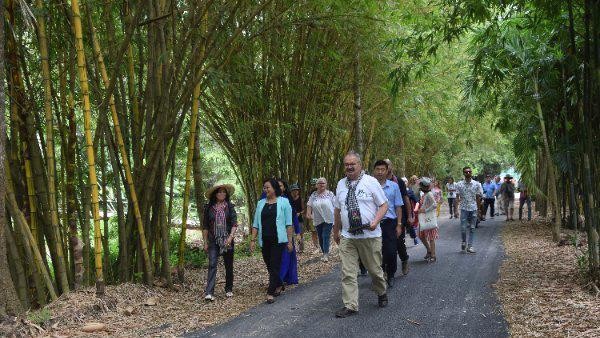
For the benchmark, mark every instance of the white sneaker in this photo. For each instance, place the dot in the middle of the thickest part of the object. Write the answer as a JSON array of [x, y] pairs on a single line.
[[229, 294], [325, 258], [209, 297], [470, 250]]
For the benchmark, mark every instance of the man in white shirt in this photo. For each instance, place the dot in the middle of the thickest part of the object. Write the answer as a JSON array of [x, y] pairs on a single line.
[[360, 204], [469, 195]]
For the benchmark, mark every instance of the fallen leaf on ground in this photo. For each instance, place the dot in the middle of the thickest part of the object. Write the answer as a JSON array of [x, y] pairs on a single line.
[[413, 322], [151, 301], [93, 327]]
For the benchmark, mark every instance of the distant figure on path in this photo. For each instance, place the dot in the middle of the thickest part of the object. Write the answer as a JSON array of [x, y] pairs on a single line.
[[219, 224], [298, 206], [427, 204], [489, 196], [391, 225], [499, 202], [273, 227], [524, 198], [310, 224], [507, 191], [360, 205], [469, 196], [452, 206], [413, 184], [320, 209]]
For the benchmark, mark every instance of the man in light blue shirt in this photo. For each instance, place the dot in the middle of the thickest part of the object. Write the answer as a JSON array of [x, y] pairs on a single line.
[[489, 196], [391, 225]]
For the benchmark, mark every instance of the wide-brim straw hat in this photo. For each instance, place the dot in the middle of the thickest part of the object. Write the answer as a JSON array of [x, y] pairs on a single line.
[[230, 189]]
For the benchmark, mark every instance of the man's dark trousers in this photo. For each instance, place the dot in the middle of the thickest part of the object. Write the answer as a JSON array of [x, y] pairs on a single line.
[[389, 242], [488, 202]]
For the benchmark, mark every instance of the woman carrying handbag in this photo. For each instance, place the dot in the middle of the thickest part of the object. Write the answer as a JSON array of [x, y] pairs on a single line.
[[428, 229]]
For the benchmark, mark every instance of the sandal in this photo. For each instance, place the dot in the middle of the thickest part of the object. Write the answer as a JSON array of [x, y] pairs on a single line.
[[278, 292], [428, 256], [432, 259]]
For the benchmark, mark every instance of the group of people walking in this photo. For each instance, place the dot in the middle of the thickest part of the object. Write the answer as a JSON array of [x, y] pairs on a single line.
[[367, 216]]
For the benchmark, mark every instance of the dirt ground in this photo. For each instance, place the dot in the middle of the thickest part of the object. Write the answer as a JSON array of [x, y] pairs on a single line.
[[542, 290], [130, 310]]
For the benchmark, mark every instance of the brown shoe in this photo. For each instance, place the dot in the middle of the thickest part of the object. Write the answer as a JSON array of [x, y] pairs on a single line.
[[405, 267], [345, 312]]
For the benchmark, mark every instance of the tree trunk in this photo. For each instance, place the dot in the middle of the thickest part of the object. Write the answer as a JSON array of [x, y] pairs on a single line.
[[552, 193], [61, 268], [20, 280], [358, 129], [9, 301]]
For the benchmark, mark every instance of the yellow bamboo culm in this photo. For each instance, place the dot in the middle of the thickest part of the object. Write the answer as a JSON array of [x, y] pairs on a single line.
[[188, 174], [61, 268], [188, 165], [87, 117], [32, 200], [128, 176]]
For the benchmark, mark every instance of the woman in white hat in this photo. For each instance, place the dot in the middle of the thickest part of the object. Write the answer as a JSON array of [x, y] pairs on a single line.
[[219, 224]]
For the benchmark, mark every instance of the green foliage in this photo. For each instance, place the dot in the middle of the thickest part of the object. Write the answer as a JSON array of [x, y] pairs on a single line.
[[40, 316]]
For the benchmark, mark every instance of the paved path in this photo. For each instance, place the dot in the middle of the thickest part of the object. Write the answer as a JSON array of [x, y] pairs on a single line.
[[450, 298]]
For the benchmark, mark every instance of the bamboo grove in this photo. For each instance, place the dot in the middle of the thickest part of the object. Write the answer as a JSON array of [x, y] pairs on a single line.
[[104, 97], [535, 66]]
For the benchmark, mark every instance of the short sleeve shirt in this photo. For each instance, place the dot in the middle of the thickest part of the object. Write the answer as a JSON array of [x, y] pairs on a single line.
[[322, 206], [370, 197], [394, 197], [451, 187], [489, 189], [468, 192]]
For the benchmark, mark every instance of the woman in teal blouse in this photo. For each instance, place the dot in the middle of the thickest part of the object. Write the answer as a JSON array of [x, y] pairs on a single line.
[[273, 227]]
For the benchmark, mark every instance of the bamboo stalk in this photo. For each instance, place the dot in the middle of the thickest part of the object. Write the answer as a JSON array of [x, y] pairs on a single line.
[[189, 161], [148, 276], [61, 268], [20, 220], [15, 258], [188, 179], [87, 117]]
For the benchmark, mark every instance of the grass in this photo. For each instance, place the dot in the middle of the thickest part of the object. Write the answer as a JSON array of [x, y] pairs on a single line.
[[39, 317]]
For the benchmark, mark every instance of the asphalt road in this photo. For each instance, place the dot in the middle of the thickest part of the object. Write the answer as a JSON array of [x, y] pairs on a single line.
[[451, 298]]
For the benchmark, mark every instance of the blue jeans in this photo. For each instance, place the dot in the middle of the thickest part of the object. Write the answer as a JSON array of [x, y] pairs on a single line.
[[468, 219], [324, 232]]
